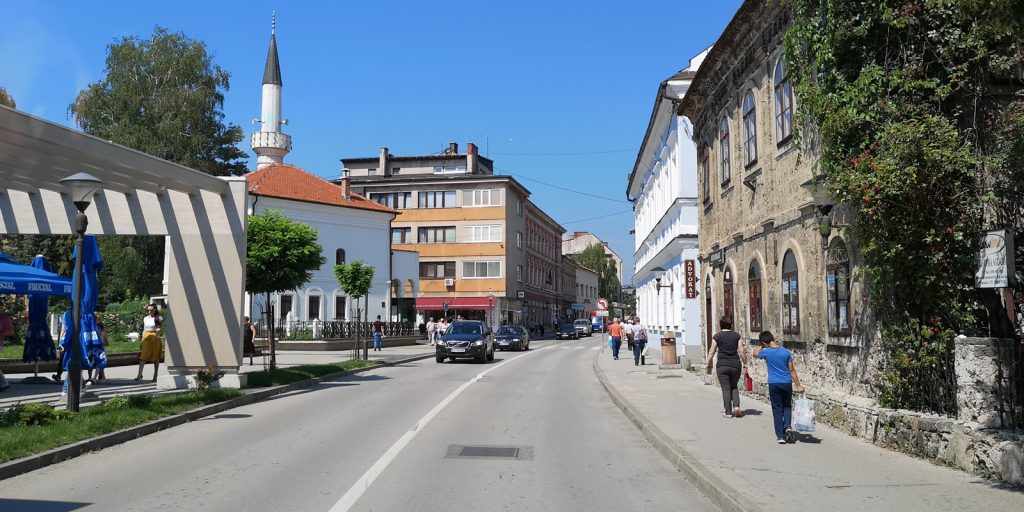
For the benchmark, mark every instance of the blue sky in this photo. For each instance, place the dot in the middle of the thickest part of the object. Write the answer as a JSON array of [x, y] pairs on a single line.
[[556, 92]]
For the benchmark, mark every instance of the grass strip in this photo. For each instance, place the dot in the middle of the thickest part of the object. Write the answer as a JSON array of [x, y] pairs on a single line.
[[15, 351], [59, 428], [280, 376]]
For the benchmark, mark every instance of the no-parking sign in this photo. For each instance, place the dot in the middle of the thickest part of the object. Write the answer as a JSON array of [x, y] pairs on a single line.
[[602, 304]]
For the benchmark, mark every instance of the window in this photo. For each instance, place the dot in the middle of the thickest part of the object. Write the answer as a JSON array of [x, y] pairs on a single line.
[[339, 307], [706, 175], [488, 197], [481, 269], [401, 235], [313, 311], [437, 199], [437, 235], [519, 239], [437, 269], [790, 295], [749, 130], [725, 173], [371, 172], [487, 233], [837, 273], [754, 288], [728, 304], [519, 207], [519, 273], [395, 171], [458, 169], [783, 104], [339, 257], [397, 200]]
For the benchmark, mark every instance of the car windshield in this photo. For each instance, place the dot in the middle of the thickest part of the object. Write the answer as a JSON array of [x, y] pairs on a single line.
[[460, 328], [568, 327], [508, 331], [582, 322]]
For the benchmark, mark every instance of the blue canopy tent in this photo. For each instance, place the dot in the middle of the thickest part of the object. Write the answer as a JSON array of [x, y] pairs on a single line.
[[38, 283], [93, 355]]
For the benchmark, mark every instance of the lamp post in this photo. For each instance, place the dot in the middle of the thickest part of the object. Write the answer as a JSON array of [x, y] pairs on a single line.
[[490, 311], [658, 274], [81, 187]]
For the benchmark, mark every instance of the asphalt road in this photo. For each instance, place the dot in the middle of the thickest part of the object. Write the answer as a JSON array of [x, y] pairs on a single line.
[[529, 431]]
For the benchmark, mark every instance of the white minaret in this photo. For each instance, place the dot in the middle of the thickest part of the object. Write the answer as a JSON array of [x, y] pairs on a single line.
[[270, 144]]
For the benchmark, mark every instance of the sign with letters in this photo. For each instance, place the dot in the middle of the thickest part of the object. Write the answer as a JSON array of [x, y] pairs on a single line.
[[995, 260], [690, 269], [716, 258]]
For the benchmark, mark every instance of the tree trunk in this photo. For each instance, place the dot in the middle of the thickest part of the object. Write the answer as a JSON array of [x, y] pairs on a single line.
[[366, 311], [359, 316], [270, 333]]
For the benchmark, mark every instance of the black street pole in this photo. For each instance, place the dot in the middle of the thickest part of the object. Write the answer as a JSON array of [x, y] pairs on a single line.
[[75, 365]]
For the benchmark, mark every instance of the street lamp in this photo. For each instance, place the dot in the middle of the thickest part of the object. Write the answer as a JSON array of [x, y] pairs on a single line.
[[823, 202], [658, 274], [81, 187]]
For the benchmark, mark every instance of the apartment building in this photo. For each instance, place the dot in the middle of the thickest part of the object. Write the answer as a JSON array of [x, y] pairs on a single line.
[[478, 235]]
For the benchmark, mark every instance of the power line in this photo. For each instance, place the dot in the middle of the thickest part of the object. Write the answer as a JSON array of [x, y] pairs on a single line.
[[571, 153], [598, 217], [595, 196]]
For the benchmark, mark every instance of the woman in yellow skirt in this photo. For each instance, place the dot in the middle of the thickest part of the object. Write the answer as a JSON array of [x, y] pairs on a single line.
[[152, 345]]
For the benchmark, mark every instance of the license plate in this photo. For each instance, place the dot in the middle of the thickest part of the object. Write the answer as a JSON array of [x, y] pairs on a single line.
[[503, 343], [458, 350]]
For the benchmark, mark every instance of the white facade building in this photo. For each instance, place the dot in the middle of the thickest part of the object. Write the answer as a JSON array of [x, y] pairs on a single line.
[[663, 187]]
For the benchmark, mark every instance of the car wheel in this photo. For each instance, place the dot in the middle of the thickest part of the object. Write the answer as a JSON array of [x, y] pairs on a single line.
[[440, 359]]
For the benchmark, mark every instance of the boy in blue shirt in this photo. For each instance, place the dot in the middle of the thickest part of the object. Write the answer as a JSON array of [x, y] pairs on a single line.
[[782, 380]]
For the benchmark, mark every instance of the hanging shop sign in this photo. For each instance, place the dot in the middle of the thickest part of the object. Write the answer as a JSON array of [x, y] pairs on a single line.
[[995, 260], [690, 269]]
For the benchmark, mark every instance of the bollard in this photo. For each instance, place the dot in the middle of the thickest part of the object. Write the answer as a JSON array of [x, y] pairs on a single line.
[[668, 350]]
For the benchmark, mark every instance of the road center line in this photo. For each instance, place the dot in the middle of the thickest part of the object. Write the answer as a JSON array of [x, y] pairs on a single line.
[[364, 482]]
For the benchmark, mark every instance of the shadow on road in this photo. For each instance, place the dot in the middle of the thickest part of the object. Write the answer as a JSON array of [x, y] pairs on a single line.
[[40, 506]]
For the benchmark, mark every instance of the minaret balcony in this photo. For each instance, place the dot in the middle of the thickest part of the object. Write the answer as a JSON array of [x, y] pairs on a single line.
[[274, 140]]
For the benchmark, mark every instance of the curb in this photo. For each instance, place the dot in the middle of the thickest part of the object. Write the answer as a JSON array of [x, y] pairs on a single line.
[[40, 460], [723, 495]]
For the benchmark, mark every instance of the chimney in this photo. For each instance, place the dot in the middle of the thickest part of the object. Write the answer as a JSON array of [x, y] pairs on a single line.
[[346, 188], [471, 158], [382, 163], [453, 148]]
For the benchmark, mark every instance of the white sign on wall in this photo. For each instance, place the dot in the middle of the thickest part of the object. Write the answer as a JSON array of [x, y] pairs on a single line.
[[995, 260]]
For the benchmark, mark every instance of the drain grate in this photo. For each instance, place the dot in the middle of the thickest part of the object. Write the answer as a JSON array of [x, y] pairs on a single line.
[[489, 452]]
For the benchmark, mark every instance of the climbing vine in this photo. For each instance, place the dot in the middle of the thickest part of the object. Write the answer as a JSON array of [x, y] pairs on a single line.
[[903, 99]]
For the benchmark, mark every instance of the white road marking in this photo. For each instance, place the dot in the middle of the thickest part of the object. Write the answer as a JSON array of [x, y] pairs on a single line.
[[364, 482]]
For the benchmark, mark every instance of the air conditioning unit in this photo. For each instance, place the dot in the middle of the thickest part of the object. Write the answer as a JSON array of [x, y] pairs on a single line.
[[449, 282]]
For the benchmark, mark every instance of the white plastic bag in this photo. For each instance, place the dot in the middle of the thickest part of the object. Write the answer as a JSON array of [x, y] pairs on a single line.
[[646, 350], [803, 414]]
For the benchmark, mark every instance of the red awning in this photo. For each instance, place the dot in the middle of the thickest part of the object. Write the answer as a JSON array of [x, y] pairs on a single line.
[[437, 303]]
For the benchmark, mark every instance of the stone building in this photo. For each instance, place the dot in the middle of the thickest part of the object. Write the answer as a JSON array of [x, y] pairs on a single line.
[[764, 262]]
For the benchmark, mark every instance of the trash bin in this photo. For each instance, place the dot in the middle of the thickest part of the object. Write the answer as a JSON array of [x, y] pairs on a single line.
[[668, 349]]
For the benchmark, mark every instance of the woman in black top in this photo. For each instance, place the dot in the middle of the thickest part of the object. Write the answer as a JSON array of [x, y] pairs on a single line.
[[731, 355]]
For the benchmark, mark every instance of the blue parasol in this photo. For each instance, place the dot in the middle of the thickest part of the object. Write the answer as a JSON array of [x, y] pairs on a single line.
[[38, 340], [16, 278], [92, 351]]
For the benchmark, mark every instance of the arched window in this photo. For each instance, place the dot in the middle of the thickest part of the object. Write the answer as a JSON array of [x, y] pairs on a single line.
[[790, 295], [725, 173], [339, 256], [783, 104], [749, 130], [754, 289], [837, 271], [728, 305]]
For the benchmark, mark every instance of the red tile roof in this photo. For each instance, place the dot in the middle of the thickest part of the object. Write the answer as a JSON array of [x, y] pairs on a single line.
[[289, 182]]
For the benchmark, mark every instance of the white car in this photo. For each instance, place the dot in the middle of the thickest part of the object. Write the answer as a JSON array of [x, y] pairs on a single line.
[[583, 327]]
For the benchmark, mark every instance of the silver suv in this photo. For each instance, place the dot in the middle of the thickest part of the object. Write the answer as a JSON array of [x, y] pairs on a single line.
[[583, 327]]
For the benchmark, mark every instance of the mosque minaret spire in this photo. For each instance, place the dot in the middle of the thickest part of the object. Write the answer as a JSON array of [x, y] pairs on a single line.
[[270, 143]]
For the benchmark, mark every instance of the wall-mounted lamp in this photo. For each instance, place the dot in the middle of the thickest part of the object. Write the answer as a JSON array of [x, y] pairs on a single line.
[[823, 202], [658, 274]]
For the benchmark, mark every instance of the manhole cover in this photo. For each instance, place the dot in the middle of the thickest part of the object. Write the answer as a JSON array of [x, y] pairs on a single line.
[[489, 452]]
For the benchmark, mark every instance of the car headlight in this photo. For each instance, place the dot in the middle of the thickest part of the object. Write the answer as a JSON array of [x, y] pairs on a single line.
[[479, 342], [440, 343]]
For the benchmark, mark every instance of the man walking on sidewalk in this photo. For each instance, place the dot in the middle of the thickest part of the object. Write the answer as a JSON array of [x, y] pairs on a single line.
[[378, 333], [615, 332], [431, 329], [782, 380]]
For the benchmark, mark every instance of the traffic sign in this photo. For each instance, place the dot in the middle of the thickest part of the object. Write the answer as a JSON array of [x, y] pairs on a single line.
[[602, 304], [444, 306]]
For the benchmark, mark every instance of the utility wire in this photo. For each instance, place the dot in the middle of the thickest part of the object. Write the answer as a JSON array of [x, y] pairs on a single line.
[[595, 196], [576, 153], [598, 217]]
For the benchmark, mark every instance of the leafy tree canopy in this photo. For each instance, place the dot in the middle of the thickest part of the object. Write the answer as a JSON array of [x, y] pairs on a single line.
[[282, 253], [354, 278], [594, 258], [6, 99], [164, 96]]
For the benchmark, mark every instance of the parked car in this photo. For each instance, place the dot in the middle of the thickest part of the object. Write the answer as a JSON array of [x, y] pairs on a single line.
[[598, 326], [512, 337], [567, 332], [583, 327], [466, 339]]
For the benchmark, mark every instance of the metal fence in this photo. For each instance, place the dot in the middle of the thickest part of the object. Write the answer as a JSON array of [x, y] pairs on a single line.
[[331, 330], [929, 387]]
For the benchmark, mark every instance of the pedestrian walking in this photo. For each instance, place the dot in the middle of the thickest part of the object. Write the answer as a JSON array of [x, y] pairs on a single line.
[[442, 326], [629, 332], [248, 339], [782, 380], [152, 345], [731, 354], [431, 330], [98, 374], [639, 344], [615, 332], [6, 331], [378, 334]]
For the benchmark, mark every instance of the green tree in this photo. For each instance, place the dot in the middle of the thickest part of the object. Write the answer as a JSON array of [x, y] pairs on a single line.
[[133, 267], [164, 96], [6, 99], [282, 255], [594, 258], [355, 279]]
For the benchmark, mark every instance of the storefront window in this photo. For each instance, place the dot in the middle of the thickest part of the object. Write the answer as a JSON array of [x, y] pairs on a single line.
[[837, 273], [790, 295]]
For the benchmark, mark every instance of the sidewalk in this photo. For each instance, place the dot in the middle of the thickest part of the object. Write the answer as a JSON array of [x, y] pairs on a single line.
[[120, 378], [738, 465]]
